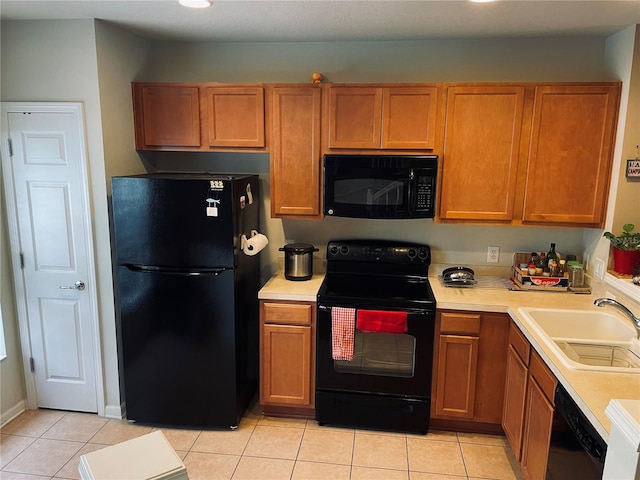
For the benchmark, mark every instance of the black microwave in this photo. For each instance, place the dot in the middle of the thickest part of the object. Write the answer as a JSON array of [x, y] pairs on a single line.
[[380, 186]]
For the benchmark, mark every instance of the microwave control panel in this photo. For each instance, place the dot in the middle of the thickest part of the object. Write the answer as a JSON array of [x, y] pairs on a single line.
[[424, 193]]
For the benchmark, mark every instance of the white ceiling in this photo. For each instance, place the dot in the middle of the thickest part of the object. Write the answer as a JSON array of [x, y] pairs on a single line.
[[333, 20]]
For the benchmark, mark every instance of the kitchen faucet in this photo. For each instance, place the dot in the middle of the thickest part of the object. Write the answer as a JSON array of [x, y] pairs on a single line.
[[601, 302]]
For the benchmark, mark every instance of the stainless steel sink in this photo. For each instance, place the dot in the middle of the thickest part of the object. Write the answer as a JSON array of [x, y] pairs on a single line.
[[587, 339]]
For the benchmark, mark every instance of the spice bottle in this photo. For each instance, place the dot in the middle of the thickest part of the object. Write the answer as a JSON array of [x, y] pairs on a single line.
[[562, 269], [541, 265], [552, 256]]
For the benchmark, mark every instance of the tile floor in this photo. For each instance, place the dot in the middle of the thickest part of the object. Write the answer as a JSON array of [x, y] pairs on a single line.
[[47, 444]]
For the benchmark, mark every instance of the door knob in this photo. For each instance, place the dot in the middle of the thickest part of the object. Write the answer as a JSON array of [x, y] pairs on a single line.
[[79, 285]]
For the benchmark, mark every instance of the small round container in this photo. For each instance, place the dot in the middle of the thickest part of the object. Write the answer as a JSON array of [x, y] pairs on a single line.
[[298, 261]]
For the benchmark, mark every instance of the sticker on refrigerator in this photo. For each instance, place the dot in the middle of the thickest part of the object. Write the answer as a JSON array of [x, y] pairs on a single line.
[[243, 201], [213, 203], [212, 207]]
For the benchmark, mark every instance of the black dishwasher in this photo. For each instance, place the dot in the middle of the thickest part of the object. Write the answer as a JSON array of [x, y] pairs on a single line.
[[576, 451]]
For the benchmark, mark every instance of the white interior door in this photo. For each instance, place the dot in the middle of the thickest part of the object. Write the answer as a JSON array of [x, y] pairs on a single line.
[[48, 209]]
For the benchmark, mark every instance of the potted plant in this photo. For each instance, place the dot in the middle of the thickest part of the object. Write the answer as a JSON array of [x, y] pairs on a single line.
[[626, 249]]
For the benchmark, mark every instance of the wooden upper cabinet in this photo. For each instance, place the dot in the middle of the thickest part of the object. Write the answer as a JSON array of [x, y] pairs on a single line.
[[295, 151], [355, 117], [382, 117], [235, 116], [166, 115], [409, 117], [483, 135], [570, 154]]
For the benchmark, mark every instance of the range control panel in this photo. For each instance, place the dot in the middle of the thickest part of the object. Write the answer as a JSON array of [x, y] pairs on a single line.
[[379, 251]]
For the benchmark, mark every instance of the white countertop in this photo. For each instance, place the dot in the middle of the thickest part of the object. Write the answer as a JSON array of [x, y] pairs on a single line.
[[591, 390], [279, 288]]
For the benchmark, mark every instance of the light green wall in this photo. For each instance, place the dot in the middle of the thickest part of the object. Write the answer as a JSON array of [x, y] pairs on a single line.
[[478, 60], [12, 391]]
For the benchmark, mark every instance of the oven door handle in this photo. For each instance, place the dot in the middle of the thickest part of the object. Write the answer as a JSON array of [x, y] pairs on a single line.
[[411, 311]]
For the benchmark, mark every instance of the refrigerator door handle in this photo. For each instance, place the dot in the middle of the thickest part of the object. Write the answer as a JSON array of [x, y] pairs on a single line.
[[208, 271]]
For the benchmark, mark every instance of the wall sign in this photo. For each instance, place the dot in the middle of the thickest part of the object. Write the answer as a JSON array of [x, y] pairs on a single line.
[[633, 167]]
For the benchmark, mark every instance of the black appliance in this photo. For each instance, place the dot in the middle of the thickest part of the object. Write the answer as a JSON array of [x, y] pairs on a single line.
[[380, 186], [387, 384], [187, 308], [576, 451]]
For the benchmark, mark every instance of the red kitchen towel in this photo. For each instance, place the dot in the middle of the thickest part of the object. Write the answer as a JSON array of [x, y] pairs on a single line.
[[381, 321], [342, 332]]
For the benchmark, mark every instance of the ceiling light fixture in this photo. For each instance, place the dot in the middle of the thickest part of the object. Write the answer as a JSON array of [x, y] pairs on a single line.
[[196, 3], [482, 1]]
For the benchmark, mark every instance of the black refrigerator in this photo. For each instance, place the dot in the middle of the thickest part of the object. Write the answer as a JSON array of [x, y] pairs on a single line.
[[186, 297]]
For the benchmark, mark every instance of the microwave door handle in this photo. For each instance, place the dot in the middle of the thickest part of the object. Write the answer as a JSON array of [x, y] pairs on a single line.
[[410, 192]]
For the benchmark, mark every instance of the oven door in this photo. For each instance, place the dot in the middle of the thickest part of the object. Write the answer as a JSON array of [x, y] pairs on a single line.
[[383, 363]]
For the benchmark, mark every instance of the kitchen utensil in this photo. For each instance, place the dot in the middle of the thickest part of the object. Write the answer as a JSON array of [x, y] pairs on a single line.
[[458, 277], [456, 274], [298, 261]]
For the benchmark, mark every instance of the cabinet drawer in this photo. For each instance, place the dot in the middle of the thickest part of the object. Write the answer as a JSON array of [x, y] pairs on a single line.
[[519, 343], [452, 323], [543, 376], [287, 313]]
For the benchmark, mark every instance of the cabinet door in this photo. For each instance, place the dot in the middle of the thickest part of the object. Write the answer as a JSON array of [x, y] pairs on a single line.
[[286, 365], [166, 116], [537, 433], [295, 152], [514, 401], [355, 117], [492, 367], [570, 154], [409, 117], [482, 144], [235, 116], [456, 384]]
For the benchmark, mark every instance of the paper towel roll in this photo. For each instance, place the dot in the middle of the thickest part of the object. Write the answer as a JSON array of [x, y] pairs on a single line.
[[253, 245]]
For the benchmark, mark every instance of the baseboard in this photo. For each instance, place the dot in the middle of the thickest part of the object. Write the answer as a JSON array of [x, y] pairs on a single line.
[[114, 411], [12, 412]]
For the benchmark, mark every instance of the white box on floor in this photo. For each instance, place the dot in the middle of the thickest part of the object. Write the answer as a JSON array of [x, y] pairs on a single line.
[[149, 457]]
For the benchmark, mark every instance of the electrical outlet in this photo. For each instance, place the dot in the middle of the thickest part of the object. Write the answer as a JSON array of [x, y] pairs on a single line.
[[493, 254], [598, 268]]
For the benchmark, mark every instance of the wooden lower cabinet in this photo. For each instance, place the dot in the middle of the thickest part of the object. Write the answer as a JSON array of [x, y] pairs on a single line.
[[287, 358], [537, 432], [469, 370], [528, 406]]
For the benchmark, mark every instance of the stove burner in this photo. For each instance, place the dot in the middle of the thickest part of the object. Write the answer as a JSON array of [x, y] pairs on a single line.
[[376, 272]]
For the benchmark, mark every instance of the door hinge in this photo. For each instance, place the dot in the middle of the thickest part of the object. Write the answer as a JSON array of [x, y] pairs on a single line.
[[10, 146], [32, 365], [21, 261]]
